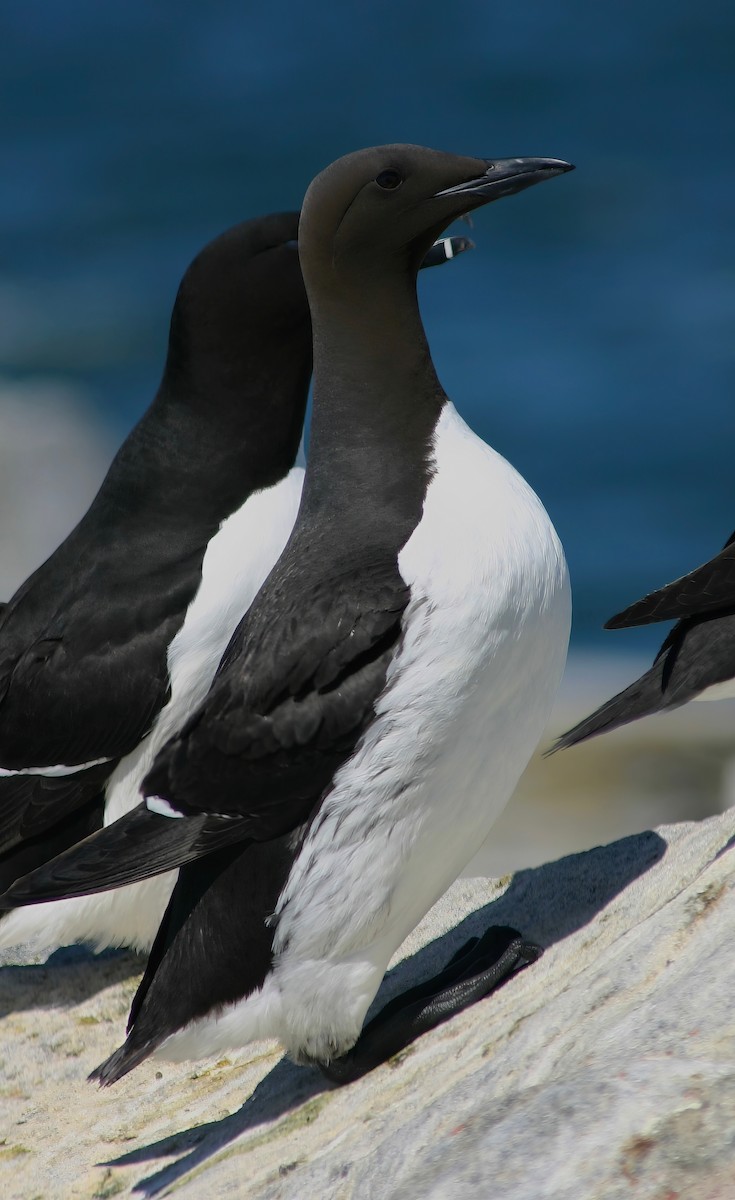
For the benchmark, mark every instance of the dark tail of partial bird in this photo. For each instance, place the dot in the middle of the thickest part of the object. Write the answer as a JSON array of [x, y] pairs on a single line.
[[120, 1063], [33, 852], [647, 695], [214, 946], [704, 591]]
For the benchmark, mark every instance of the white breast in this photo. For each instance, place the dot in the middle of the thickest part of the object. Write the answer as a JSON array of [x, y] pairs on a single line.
[[718, 691], [466, 701], [236, 563]]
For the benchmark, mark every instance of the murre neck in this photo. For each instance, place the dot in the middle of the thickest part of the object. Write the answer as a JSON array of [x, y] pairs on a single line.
[[227, 387], [377, 397]]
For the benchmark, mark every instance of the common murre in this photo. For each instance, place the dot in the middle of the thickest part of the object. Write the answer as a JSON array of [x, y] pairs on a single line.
[[697, 658], [113, 641], [380, 699], [111, 644]]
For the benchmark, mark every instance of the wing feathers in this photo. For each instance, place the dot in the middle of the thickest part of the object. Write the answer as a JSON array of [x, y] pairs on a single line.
[[137, 846], [706, 590], [31, 805]]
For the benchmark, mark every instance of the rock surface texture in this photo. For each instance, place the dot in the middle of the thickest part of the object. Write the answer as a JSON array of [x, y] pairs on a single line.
[[606, 1070]]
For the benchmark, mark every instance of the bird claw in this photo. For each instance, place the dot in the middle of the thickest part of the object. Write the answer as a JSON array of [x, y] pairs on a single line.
[[476, 969]]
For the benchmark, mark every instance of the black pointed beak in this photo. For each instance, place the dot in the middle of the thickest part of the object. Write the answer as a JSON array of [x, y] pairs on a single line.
[[445, 249], [504, 177]]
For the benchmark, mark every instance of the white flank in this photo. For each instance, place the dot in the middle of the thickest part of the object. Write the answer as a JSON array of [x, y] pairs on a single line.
[[236, 563], [466, 701], [718, 691]]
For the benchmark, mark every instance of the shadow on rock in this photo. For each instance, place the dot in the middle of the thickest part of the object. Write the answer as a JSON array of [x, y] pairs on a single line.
[[545, 903], [68, 976], [285, 1088]]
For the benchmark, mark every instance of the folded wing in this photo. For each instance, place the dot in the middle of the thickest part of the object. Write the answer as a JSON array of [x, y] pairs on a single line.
[[290, 702]]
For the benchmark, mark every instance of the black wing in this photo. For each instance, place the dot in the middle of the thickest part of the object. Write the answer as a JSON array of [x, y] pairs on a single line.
[[34, 851], [289, 704], [138, 845], [697, 653], [83, 677], [294, 692], [31, 805], [708, 589], [83, 643]]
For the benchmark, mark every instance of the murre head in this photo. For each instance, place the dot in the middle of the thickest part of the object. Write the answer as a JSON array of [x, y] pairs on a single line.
[[236, 379], [240, 298], [241, 325], [389, 203], [240, 353]]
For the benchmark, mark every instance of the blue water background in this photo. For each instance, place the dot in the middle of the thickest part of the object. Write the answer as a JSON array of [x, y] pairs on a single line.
[[589, 337]]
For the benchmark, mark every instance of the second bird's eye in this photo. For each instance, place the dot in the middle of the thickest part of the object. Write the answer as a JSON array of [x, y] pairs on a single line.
[[389, 179]]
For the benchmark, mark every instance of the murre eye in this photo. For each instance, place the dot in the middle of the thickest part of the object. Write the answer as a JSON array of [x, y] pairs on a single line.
[[389, 179]]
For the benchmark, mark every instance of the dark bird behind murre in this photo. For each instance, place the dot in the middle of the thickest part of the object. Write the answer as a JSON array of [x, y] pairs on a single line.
[[380, 699], [697, 658], [110, 645]]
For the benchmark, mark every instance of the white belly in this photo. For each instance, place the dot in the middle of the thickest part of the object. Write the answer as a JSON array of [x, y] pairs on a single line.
[[466, 700], [718, 691], [236, 563]]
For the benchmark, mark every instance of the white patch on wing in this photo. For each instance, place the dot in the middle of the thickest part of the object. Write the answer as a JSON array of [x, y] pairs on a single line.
[[156, 804]]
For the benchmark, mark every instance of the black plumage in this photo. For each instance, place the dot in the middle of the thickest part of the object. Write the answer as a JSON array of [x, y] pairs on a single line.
[[707, 589], [30, 805], [296, 692], [84, 642], [200, 960], [83, 648], [698, 653], [289, 704]]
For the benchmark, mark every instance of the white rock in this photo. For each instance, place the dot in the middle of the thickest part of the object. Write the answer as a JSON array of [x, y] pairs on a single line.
[[605, 1070]]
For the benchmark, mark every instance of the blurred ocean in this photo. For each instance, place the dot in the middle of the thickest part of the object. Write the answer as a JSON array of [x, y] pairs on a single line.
[[589, 337]]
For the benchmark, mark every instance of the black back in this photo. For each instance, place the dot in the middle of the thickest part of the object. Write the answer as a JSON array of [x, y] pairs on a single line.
[[83, 642]]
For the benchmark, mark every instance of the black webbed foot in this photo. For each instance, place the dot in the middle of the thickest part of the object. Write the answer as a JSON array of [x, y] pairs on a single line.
[[477, 969]]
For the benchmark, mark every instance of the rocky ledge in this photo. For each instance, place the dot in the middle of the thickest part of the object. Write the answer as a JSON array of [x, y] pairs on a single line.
[[606, 1070]]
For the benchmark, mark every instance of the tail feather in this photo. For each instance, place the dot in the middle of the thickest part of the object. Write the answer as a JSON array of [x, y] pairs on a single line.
[[126, 1058], [139, 845], [640, 699], [706, 590], [213, 948]]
